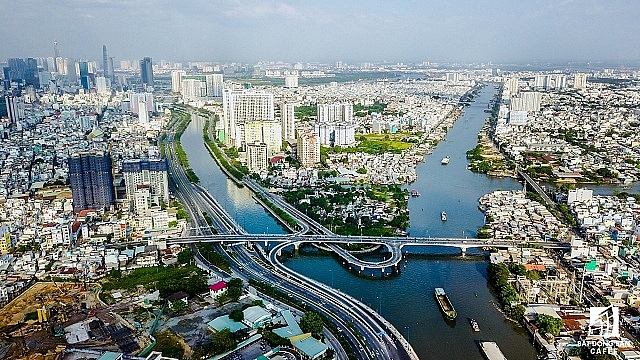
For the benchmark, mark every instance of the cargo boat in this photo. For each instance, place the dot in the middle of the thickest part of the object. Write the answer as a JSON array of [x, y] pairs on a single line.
[[445, 303], [491, 351]]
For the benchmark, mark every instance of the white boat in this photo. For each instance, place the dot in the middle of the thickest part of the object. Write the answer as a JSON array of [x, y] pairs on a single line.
[[445, 160], [443, 216], [474, 325]]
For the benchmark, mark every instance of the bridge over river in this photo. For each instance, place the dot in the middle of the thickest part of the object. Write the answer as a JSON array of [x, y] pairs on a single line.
[[393, 244]]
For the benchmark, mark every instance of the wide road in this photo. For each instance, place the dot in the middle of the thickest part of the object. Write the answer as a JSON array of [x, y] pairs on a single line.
[[358, 326]]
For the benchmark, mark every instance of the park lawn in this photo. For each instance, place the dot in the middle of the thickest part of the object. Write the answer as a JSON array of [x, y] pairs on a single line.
[[378, 143]]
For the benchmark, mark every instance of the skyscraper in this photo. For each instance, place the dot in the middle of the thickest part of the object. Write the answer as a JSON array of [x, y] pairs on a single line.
[[91, 180], [288, 117], [83, 69], [105, 62], [146, 71]]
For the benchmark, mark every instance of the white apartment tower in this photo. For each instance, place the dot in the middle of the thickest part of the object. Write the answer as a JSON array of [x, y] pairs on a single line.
[[580, 81], [101, 85], [215, 85], [291, 80], [143, 114], [335, 113], [513, 86], [241, 108], [308, 149], [288, 121], [176, 80]]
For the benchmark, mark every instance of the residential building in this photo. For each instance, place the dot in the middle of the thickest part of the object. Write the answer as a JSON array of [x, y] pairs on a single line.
[[308, 149], [288, 121], [291, 80], [335, 113], [257, 159], [580, 81], [91, 181], [176, 80], [241, 108], [147, 172]]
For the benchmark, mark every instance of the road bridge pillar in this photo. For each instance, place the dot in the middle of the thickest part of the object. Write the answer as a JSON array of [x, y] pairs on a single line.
[[296, 247], [464, 251]]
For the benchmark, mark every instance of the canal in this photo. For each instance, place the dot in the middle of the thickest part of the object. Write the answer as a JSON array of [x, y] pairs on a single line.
[[407, 300]]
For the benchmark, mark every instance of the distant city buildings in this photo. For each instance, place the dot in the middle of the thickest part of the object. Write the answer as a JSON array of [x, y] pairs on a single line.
[[91, 181]]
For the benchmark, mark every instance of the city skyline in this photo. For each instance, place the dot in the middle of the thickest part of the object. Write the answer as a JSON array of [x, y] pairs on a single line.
[[464, 31]]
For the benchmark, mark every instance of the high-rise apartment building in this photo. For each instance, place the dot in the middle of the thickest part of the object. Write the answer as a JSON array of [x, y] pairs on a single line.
[[146, 71], [143, 113], [176, 80], [335, 113], [215, 85], [288, 121], [527, 101], [580, 81], [101, 85], [193, 89], [291, 80], [15, 109], [308, 149], [91, 181], [151, 173], [257, 156], [335, 134], [136, 98], [241, 108], [268, 132]]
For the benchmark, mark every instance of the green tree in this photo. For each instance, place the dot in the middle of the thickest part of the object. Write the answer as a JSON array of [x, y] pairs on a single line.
[[178, 306], [115, 274], [234, 289], [185, 256], [548, 324], [236, 315], [311, 322]]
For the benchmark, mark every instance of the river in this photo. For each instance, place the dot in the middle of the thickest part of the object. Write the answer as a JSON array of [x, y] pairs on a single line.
[[407, 300]]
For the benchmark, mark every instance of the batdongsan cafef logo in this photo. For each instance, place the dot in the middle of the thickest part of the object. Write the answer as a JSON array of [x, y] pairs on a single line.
[[604, 322]]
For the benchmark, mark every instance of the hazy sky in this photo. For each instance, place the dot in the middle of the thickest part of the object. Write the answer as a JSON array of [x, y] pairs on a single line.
[[324, 30]]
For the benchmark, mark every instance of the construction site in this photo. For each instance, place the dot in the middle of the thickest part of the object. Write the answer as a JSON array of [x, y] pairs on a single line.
[[50, 316]]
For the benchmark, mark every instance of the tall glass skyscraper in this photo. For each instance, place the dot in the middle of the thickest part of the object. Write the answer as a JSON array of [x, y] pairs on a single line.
[[146, 71], [91, 181]]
